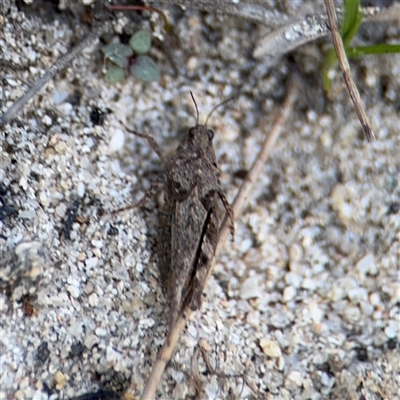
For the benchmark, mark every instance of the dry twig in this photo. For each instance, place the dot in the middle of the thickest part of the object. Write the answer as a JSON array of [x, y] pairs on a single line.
[[53, 70], [345, 67], [259, 162], [251, 11]]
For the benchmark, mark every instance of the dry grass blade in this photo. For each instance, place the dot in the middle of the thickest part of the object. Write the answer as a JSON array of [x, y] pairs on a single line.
[[252, 11], [259, 162], [166, 351], [345, 67], [53, 70], [163, 357]]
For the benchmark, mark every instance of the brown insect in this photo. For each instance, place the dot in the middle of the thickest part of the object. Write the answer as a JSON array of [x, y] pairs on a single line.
[[189, 225]]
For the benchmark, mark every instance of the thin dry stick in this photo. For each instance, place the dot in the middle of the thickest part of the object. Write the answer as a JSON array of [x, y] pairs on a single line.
[[252, 11], [163, 357], [54, 69], [166, 351], [256, 168], [345, 67]]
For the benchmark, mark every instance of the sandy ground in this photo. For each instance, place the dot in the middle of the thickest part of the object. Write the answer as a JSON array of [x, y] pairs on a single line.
[[304, 304]]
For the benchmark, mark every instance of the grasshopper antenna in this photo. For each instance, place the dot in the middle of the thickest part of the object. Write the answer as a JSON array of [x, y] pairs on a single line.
[[197, 110], [223, 102]]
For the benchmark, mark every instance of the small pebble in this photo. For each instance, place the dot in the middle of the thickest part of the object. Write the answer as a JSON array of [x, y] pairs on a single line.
[[88, 289], [336, 293], [81, 256], [294, 380], [112, 356], [249, 288], [288, 294], [47, 120], [396, 294], [90, 341], [270, 348], [357, 294], [245, 245], [80, 190], [93, 300], [192, 63], [61, 210], [293, 279], [309, 284], [43, 198], [97, 243], [281, 319], [366, 264], [339, 201], [366, 308], [91, 262], [253, 257], [60, 379], [296, 252], [73, 291], [97, 252], [100, 331], [315, 312], [393, 329], [352, 314], [27, 214], [60, 147], [127, 306], [374, 299], [191, 330], [117, 141], [253, 318]]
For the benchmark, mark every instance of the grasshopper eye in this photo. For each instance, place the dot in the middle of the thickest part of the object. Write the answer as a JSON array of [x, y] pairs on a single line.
[[192, 132], [210, 134]]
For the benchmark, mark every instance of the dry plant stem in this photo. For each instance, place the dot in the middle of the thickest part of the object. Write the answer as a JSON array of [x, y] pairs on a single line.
[[163, 357], [166, 351], [54, 69], [251, 11], [258, 164], [345, 67]]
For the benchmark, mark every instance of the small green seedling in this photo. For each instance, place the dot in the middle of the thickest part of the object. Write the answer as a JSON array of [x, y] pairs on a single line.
[[122, 58], [140, 42], [351, 23], [118, 54]]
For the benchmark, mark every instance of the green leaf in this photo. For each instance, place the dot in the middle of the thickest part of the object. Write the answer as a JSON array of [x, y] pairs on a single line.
[[145, 69], [114, 74], [373, 49], [352, 20], [330, 60], [118, 53], [351, 23], [140, 41]]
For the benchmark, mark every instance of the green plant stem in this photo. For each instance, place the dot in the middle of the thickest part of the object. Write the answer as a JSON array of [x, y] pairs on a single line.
[[373, 49]]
